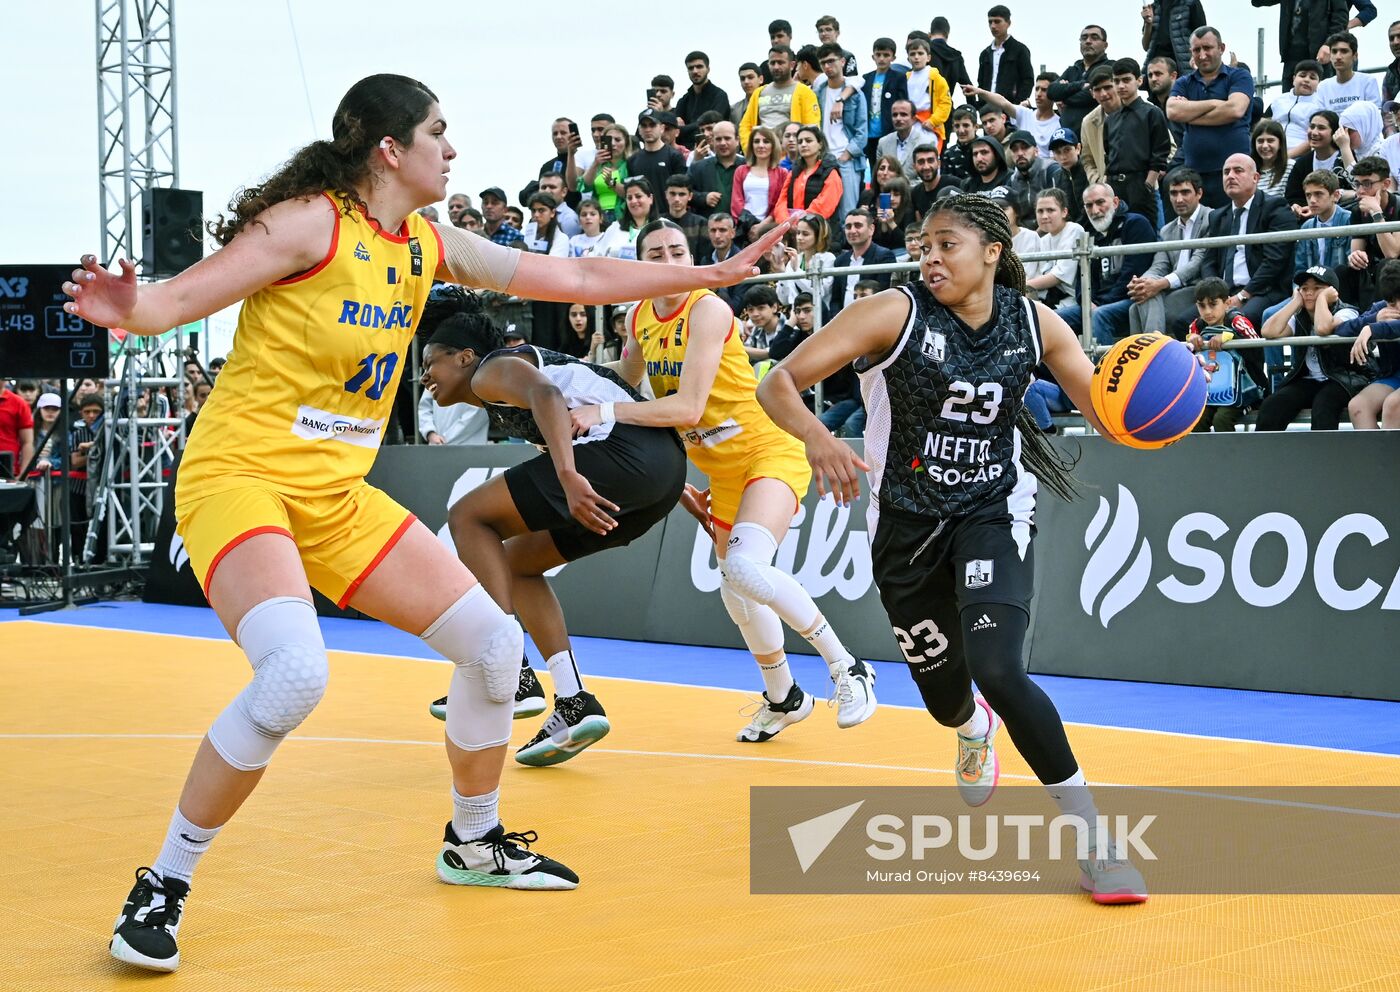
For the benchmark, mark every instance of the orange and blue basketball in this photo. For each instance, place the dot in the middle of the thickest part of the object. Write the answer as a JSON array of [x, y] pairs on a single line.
[[1149, 391]]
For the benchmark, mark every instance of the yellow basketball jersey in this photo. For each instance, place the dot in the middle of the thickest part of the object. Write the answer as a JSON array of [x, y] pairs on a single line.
[[733, 424], [316, 360]]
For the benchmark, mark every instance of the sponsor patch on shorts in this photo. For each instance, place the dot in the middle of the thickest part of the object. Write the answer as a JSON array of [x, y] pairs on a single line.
[[708, 437], [979, 574]]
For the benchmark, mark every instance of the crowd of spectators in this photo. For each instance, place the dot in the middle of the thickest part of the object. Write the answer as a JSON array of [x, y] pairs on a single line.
[[1168, 141]]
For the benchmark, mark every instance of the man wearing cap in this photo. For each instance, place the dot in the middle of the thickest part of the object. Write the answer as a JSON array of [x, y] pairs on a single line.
[[1322, 379], [988, 165], [655, 159], [16, 431], [1028, 174], [1072, 177], [493, 210], [1137, 143]]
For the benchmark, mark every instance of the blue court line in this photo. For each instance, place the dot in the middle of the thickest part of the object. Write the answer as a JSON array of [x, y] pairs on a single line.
[[1267, 717]]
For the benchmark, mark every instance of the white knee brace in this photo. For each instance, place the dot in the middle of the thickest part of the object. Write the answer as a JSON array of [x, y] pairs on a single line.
[[283, 642], [758, 625], [485, 644], [749, 567]]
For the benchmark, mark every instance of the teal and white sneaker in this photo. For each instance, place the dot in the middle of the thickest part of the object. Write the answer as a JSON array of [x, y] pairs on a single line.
[[500, 860], [978, 767], [577, 722], [529, 696], [768, 717], [854, 695], [1111, 879]]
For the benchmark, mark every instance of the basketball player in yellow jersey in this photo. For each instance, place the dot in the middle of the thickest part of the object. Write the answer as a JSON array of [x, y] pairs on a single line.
[[334, 266], [688, 345]]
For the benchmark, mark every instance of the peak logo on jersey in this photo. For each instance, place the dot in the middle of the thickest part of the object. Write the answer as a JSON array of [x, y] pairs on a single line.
[[361, 252], [368, 315], [315, 424], [979, 574], [935, 346]]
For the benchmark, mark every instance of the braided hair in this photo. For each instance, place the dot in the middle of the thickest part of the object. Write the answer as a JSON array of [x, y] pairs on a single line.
[[982, 214], [455, 318]]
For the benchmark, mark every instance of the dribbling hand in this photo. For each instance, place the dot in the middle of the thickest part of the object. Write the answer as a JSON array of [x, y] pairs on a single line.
[[98, 295], [835, 467]]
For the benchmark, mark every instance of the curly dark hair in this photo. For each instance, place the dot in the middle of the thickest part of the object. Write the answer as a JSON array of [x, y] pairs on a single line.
[[456, 319], [384, 105]]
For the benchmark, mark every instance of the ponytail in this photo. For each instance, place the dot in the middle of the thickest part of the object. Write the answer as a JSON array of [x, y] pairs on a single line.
[[376, 107]]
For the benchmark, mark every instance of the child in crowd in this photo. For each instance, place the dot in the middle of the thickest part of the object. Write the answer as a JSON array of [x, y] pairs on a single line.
[[1216, 323]]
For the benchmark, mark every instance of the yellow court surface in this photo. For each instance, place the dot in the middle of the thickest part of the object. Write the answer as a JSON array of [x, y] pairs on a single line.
[[325, 880]]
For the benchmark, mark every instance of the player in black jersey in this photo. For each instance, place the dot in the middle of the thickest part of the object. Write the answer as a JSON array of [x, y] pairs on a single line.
[[954, 464], [599, 490]]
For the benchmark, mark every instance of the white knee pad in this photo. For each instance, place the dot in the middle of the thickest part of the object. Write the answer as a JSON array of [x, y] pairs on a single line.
[[758, 625], [485, 644], [283, 642], [750, 570]]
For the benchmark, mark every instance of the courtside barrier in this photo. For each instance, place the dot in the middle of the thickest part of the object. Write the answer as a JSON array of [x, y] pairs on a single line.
[[1239, 560]]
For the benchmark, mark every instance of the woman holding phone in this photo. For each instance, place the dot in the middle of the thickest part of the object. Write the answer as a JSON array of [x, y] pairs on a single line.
[[604, 177]]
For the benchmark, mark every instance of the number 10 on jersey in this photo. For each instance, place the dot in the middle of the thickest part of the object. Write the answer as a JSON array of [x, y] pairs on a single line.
[[377, 370]]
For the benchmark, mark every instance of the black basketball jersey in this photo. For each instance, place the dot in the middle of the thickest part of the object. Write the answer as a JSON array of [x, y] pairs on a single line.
[[582, 384], [940, 434]]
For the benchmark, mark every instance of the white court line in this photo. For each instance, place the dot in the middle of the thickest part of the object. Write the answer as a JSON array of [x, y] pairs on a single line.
[[1231, 797], [749, 693]]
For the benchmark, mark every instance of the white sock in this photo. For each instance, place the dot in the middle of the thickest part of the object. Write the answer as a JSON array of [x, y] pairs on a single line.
[[184, 845], [829, 646], [978, 724], [473, 816], [564, 671], [777, 679], [1074, 798]]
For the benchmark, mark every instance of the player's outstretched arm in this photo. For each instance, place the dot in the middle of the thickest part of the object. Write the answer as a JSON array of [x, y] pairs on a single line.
[[474, 261], [285, 239], [1065, 356], [869, 328]]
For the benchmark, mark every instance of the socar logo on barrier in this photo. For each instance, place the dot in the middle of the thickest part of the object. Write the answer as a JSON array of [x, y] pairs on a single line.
[[1105, 573]]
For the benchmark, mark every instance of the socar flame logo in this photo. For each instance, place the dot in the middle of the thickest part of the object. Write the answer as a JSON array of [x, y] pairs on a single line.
[[1105, 573]]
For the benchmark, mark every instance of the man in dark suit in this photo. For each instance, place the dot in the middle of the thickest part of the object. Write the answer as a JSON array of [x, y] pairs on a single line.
[[1258, 275], [720, 228], [862, 250], [893, 86], [1004, 66]]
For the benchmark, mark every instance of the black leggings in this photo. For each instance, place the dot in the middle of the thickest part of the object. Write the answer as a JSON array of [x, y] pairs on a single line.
[[1327, 399], [992, 656]]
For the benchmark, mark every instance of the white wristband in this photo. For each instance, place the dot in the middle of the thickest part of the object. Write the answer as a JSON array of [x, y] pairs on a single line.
[[606, 411]]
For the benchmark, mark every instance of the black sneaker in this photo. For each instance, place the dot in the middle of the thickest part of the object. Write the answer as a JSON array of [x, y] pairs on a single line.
[[144, 934], [500, 860], [769, 717], [529, 697], [577, 722]]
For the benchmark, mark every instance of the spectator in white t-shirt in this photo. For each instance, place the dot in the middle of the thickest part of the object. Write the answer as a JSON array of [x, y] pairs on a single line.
[[1348, 85], [590, 219], [1054, 283], [1293, 110], [1041, 122]]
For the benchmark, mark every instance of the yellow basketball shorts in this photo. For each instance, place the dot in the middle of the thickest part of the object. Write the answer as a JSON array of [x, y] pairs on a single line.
[[784, 460], [341, 536]]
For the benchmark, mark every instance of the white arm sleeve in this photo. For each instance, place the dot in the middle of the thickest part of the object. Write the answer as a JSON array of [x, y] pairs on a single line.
[[475, 261]]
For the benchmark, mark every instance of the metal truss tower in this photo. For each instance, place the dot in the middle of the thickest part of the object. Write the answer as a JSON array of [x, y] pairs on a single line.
[[137, 151]]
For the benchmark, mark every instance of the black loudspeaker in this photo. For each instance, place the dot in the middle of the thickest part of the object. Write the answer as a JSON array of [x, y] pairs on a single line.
[[172, 231]]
